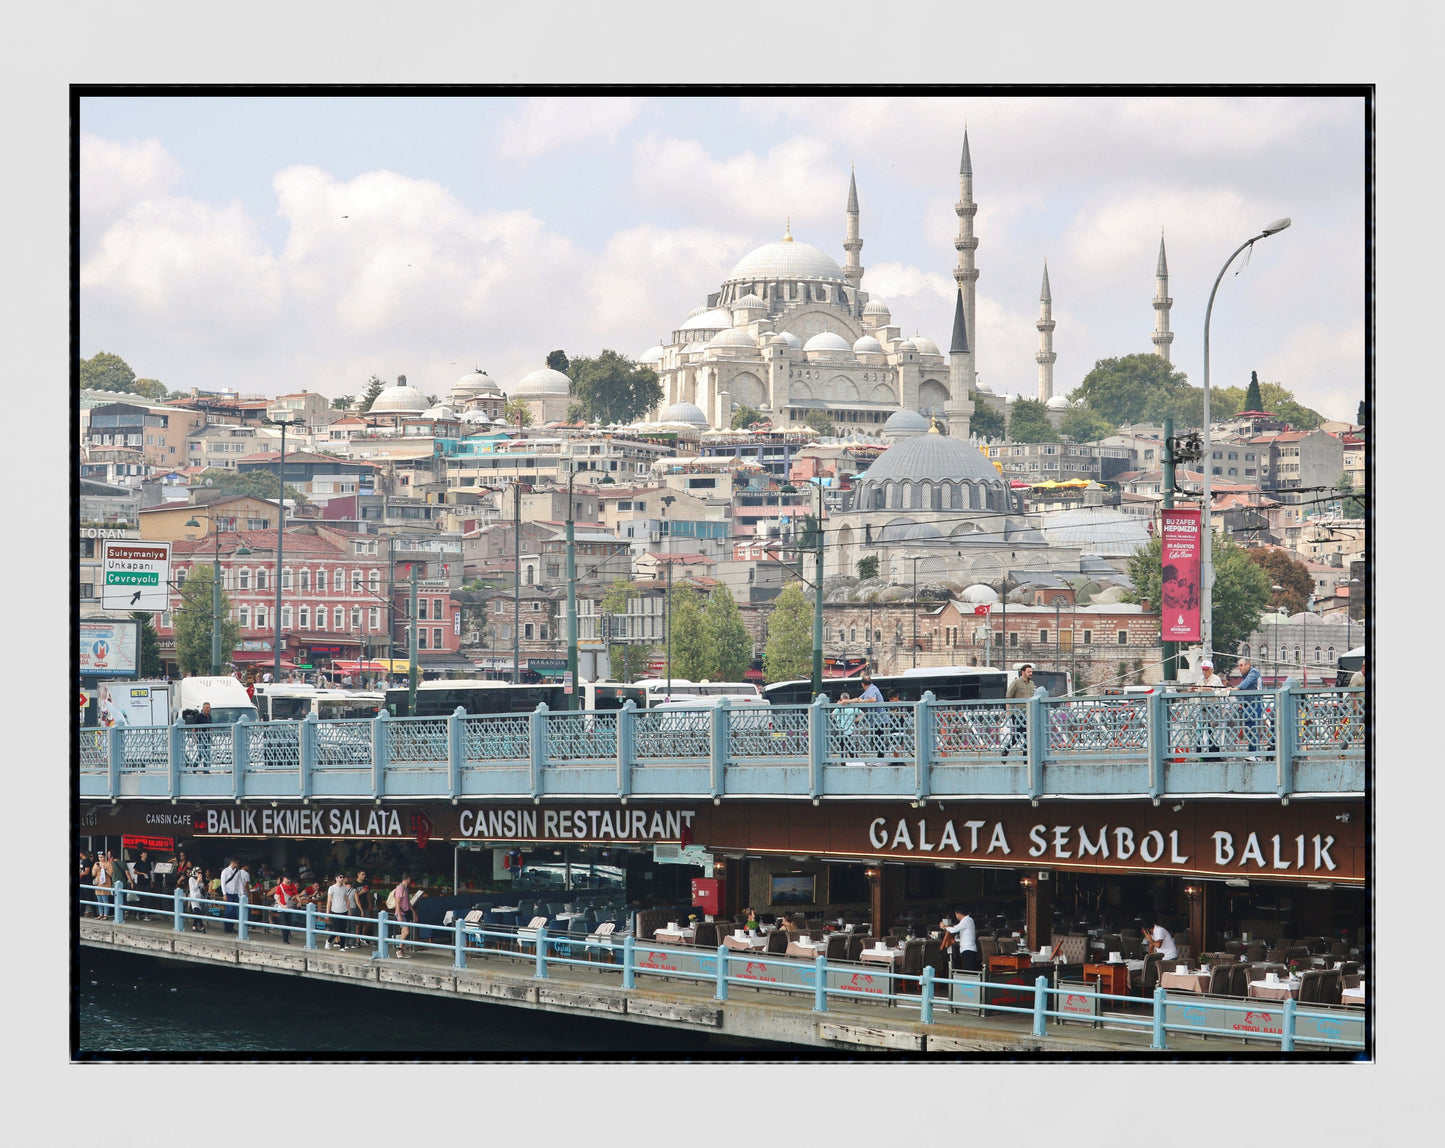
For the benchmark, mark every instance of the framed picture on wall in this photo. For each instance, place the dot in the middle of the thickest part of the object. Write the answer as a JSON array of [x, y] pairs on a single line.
[[794, 888]]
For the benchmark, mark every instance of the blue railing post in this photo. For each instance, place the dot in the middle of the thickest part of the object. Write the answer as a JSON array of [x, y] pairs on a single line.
[[817, 743], [721, 719], [311, 926], [1286, 736], [1041, 991], [382, 948], [1286, 1039], [114, 757], [456, 751], [626, 746], [1038, 732], [1156, 1044], [1156, 710], [542, 952], [175, 756], [629, 978], [240, 756], [305, 753], [721, 993], [820, 987], [537, 728], [459, 946], [925, 995], [243, 918], [178, 910], [118, 893], [378, 751], [923, 717]]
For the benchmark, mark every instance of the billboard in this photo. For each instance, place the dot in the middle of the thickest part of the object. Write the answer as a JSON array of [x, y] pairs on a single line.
[[1179, 592], [108, 648], [137, 575]]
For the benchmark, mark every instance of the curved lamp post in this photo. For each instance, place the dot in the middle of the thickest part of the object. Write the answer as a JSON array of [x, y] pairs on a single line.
[[1206, 556]]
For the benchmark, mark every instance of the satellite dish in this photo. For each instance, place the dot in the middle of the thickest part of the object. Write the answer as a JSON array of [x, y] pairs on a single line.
[[209, 481]]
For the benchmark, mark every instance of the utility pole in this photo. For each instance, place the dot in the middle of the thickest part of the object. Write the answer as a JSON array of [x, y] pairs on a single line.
[[818, 596], [1170, 671], [517, 582], [280, 537], [411, 650], [667, 500], [572, 594]]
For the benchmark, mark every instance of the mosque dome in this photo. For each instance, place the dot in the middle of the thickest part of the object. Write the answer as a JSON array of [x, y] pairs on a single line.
[[905, 422], [786, 259], [687, 413], [441, 411], [879, 308], [978, 594], [545, 381], [473, 385], [781, 340], [907, 345], [932, 458], [1058, 403], [733, 337], [906, 531], [698, 310], [827, 343], [926, 346], [983, 388], [867, 345], [653, 354], [696, 347], [399, 399], [792, 340], [717, 319], [750, 302]]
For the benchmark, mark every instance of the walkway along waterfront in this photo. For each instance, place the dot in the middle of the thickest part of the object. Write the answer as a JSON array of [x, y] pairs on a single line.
[[839, 1006]]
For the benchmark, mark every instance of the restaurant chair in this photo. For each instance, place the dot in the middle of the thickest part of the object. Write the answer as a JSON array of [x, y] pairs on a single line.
[[837, 947], [912, 965], [707, 935], [987, 947], [1150, 978], [1255, 951], [1132, 946], [898, 932], [1275, 957], [1349, 969], [1310, 985], [1330, 986], [1238, 981], [1221, 976], [778, 941], [856, 942]]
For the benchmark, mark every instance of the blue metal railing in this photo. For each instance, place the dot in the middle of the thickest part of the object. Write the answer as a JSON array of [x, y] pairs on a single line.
[[823, 982], [1281, 743]]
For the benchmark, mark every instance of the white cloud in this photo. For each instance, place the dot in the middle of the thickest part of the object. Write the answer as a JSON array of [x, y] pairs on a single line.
[[547, 123], [116, 175]]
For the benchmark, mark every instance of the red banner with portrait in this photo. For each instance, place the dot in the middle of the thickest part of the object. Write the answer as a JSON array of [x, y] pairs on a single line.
[[1179, 593]]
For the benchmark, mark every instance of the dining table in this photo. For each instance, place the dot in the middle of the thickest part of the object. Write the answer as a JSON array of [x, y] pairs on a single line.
[[746, 943], [1276, 991], [811, 949], [1191, 982], [875, 956], [680, 936], [1354, 996]]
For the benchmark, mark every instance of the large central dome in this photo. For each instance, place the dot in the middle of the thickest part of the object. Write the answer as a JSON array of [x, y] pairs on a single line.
[[932, 457], [786, 259]]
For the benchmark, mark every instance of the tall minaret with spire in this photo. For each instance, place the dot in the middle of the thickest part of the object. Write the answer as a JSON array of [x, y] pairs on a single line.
[[966, 274], [1046, 357], [959, 408], [1163, 336], [852, 269]]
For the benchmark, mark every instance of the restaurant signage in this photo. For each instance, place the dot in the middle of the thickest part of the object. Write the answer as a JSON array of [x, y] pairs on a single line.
[[1179, 592], [532, 823]]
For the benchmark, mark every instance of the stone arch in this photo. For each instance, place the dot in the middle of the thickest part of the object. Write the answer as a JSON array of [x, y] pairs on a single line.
[[844, 389], [883, 393], [747, 389], [845, 550], [798, 391], [932, 395]]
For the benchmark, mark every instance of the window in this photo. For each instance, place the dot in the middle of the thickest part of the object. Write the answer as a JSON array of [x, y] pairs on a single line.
[[245, 576], [285, 617], [1013, 638], [373, 581], [245, 617], [421, 638], [1043, 636], [1233, 456], [436, 609], [261, 578], [260, 617], [373, 618], [338, 618], [1088, 637], [1317, 653], [436, 638], [321, 617], [1296, 655], [304, 617], [356, 617], [321, 581], [285, 580], [1263, 650], [305, 581], [356, 581], [501, 607], [1123, 637], [853, 637], [338, 580], [527, 631]]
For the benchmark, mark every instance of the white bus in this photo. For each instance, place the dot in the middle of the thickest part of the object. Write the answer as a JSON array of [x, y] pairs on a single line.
[[289, 702], [659, 690]]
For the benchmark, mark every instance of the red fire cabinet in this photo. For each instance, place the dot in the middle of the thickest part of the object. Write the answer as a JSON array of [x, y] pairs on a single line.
[[708, 892]]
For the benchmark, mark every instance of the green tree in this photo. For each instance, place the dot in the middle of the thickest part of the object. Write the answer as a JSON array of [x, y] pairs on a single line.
[[1297, 586], [374, 387], [1083, 425], [150, 645], [343, 402], [730, 646], [789, 650], [690, 655], [152, 389], [745, 416], [192, 623], [518, 411], [1252, 398], [1119, 389], [1361, 413], [986, 422], [611, 388], [868, 567], [822, 422], [1241, 589], [104, 371], [557, 360], [629, 660], [1351, 506], [1274, 398], [1028, 421], [256, 483]]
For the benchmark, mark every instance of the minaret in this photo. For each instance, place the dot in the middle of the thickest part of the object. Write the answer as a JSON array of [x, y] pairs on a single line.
[[1046, 357], [959, 408], [852, 269], [966, 274], [1163, 336]]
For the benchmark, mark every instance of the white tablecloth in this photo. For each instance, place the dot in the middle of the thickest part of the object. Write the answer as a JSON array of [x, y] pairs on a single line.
[[1279, 991], [745, 943], [811, 950], [879, 957], [681, 936], [1354, 994]]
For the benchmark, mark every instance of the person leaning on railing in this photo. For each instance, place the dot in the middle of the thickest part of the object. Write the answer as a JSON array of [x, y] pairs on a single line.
[[1020, 689]]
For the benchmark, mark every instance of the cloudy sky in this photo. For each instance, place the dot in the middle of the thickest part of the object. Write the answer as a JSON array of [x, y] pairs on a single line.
[[274, 244]]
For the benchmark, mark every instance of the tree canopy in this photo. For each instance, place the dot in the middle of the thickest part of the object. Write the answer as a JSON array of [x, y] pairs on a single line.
[[789, 650], [516, 411], [1028, 421], [690, 658], [557, 360], [1361, 413], [730, 646], [342, 402], [152, 389], [1120, 390], [1241, 589], [611, 388], [745, 416], [257, 483], [629, 659], [822, 422], [1296, 584], [1351, 506], [1083, 425], [104, 371], [868, 567], [1252, 397], [192, 623], [374, 386], [1278, 400], [986, 422]]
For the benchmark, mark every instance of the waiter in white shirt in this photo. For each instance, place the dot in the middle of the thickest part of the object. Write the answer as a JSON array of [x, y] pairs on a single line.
[[965, 941], [1162, 940]]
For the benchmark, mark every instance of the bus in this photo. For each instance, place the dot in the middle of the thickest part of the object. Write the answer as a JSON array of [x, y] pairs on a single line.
[[475, 696], [286, 702], [1059, 683], [1347, 663], [612, 695], [947, 684], [659, 690]]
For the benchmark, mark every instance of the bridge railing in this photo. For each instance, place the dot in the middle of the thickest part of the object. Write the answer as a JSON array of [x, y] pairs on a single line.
[[1280, 743]]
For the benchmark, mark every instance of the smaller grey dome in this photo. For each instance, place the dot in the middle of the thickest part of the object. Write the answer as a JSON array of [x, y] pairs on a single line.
[[907, 345], [792, 340], [400, 399], [733, 337], [715, 320], [867, 345], [925, 346], [687, 413], [905, 422], [978, 594], [694, 348], [651, 355], [750, 302], [1058, 403], [877, 307], [827, 343], [544, 381], [909, 532]]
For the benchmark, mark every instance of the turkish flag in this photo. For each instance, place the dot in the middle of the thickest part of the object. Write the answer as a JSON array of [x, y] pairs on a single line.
[[981, 609]]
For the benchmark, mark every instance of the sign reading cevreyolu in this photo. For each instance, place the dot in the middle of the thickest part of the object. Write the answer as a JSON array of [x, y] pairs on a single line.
[[136, 575]]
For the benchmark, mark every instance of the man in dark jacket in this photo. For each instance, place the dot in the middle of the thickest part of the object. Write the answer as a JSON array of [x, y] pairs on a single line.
[[1249, 680]]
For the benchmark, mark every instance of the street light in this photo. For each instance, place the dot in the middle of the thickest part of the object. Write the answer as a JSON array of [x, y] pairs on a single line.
[[1206, 538], [216, 588], [280, 533]]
